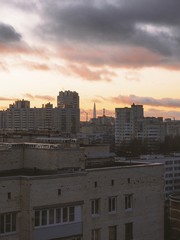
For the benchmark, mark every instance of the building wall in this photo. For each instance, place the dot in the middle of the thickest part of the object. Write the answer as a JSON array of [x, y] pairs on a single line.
[[171, 171], [41, 156], [53, 159], [47, 118], [10, 158], [145, 183], [175, 216]]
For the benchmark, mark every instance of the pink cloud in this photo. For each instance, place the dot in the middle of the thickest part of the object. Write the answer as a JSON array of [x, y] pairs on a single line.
[[87, 73], [147, 101], [113, 56]]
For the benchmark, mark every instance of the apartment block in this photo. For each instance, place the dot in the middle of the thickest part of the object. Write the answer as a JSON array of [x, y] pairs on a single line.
[[175, 216], [50, 191], [19, 116], [171, 171], [126, 120], [131, 124]]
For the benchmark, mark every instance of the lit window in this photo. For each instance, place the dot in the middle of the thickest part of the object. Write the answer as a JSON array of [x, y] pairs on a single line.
[[128, 201], [95, 206], [112, 204]]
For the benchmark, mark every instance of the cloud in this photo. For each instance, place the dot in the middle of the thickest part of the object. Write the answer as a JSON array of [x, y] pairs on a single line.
[[8, 34], [165, 114], [87, 73], [37, 66], [151, 27], [42, 97], [3, 66], [113, 56], [132, 75], [147, 101], [6, 99]]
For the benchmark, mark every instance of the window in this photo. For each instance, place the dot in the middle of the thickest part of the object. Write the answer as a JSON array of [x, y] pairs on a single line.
[[95, 234], [59, 191], [76, 238], [58, 215], [112, 182], [95, 205], [112, 233], [128, 201], [95, 184], [71, 214], [112, 204], [9, 195], [65, 214], [44, 217], [129, 231], [37, 218], [7, 222], [54, 216], [51, 216]]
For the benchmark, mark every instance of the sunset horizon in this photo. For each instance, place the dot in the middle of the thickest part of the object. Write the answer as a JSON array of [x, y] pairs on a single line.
[[112, 53]]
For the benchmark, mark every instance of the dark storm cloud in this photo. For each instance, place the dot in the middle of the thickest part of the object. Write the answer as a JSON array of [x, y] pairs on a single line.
[[8, 34], [119, 23], [28, 6]]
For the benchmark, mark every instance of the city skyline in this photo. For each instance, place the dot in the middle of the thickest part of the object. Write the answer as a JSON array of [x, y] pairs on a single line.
[[113, 53]]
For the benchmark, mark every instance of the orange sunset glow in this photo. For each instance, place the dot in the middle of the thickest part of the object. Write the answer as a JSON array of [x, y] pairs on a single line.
[[113, 53]]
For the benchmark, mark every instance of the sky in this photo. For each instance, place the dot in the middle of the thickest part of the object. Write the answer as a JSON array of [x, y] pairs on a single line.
[[112, 52]]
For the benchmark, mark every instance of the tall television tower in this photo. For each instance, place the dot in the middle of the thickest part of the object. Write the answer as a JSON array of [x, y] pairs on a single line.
[[94, 111]]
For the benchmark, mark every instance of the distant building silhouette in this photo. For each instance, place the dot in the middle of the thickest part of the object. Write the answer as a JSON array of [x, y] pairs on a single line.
[[131, 124], [65, 118]]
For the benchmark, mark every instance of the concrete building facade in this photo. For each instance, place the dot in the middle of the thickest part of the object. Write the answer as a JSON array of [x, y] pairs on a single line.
[[175, 216], [131, 124], [65, 118], [48, 192], [171, 164]]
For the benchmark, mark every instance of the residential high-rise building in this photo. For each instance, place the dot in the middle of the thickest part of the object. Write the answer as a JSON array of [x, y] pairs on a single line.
[[20, 104], [64, 119], [131, 124], [68, 99], [126, 121]]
